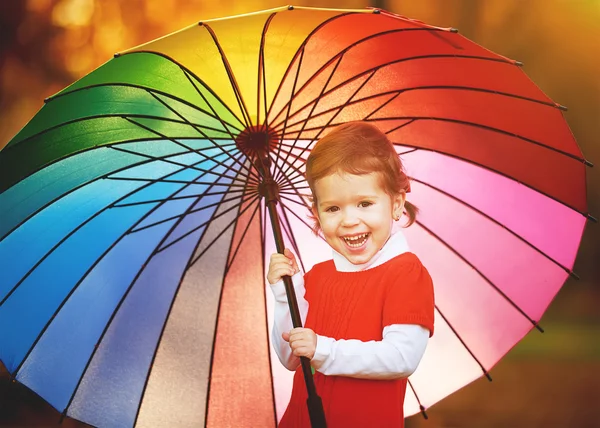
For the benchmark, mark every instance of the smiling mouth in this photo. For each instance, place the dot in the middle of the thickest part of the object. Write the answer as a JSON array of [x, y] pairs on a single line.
[[357, 240]]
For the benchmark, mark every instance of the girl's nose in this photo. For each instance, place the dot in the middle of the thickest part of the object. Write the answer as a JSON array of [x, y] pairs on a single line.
[[349, 218]]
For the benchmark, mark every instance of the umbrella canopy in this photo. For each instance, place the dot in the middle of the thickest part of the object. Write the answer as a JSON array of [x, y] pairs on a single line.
[[133, 237]]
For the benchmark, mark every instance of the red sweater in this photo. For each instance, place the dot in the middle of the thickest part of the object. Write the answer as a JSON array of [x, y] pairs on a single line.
[[358, 305]]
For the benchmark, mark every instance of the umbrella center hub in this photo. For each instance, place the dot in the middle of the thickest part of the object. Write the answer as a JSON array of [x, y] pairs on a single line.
[[257, 140]]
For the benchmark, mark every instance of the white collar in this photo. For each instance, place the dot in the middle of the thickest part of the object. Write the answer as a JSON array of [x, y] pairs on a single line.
[[394, 246]]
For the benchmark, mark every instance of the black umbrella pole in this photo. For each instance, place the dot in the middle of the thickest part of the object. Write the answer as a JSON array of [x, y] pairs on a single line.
[[315, 405]]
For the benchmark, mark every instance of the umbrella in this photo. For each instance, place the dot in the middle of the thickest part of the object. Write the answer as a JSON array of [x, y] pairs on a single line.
[[134, 228]]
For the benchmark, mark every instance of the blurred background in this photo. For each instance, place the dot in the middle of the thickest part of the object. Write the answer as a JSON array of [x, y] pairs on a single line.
[[548, 380]]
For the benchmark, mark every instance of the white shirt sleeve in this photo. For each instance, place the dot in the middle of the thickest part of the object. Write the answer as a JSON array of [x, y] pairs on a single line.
[[283, 320], [396, 356]]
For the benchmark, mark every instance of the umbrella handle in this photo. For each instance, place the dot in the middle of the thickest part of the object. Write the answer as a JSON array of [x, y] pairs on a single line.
[[269, 190], [314, 403]]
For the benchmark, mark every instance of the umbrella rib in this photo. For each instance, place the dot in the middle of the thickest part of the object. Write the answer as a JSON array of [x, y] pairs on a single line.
[[343, 106], [152, 91], [212, 352], [477, 125], [472, 266], [145, 162], [230, 75], [200, 226], [167, 317], [178, 163], [297, 216], [185, 214], [396, 95], [67, 236], [192, 150], [421, 407], [478, 211], [285, 178], [288, 110], [499, 173], [287, 227], [232, 258], [164, 159], [215, 114], [291, 188], [188, 73], [158, 140], [292, 237], [291, 184], [297, 172], [169, 181], [283, 144], [407, 151], [175, 198], [288, 183], [181, 66], [293, 200], [415, 58], [206, 137], [304, 222], [299, 52], [83, 119], [404, 90], [320, 130], [312, 110], [354, 44], [80, 281], [262, 78], [464, 344], [334, 116], [251, 200], [101, 338], [263, 228]]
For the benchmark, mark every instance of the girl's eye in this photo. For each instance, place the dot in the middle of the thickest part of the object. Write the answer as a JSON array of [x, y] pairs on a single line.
[[331, 209], [365, 204]]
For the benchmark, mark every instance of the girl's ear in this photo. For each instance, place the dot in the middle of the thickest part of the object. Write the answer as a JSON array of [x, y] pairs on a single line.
[[316, 222], [398, 204]]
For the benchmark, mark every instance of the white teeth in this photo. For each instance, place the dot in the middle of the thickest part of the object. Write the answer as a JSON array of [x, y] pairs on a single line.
[[356, 241]]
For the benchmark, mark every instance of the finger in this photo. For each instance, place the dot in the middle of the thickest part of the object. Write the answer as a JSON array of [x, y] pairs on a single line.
[[288, 253], [275, 257], [278, 273], [279, 260], [287, 270], [283, 261], [302, 352], [300, 331], [296, 346], [285, 336], [280, 264]]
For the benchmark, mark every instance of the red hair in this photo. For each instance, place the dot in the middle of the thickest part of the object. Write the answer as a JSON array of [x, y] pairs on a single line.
[[358, 148]]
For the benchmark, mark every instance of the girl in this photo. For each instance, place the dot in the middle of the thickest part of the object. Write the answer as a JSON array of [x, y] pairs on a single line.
[[369, 311]]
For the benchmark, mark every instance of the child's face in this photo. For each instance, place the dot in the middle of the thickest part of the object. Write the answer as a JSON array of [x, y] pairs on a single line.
[[356, 214]]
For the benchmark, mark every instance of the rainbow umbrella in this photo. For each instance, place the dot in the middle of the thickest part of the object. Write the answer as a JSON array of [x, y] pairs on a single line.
[[134, 229]]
